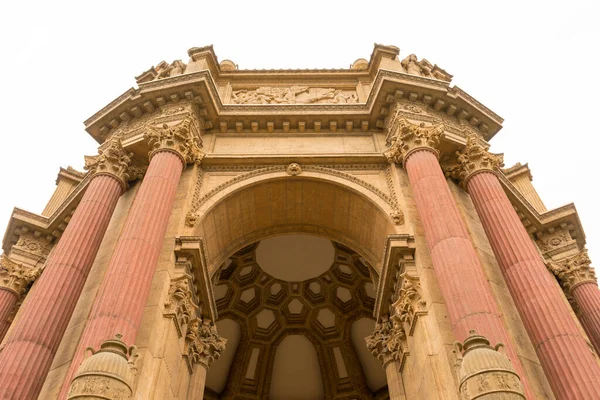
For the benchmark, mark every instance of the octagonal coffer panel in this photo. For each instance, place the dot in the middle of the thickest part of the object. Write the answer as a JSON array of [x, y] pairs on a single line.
[[295, 258]]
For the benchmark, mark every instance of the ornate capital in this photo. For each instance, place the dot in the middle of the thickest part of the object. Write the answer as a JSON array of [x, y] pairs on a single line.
[[404, 137], [113, 160], [573, 271], [14, 276], [472, 159], [410, 303], [387, 343], [180, 305], [203, 345], [178, 139]]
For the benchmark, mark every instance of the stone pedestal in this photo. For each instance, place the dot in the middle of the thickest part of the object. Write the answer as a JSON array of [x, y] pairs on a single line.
[[29, 350], [569, 364]]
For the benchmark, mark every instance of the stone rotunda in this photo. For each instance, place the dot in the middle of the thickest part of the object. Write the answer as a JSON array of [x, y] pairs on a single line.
[[297, 235]]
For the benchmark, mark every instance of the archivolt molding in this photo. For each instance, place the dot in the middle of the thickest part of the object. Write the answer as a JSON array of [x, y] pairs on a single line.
[[338, 171]]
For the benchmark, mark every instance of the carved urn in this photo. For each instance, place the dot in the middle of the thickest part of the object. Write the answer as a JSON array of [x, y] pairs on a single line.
[[107, 374], [484, 372]]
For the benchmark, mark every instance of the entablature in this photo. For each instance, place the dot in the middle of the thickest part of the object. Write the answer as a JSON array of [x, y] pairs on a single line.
[[300, 100]]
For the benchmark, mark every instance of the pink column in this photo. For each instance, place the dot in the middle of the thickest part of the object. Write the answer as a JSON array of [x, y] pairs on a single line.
[[571, 369], [8, 300], [587, 297], [122, 296], [459, 273], [32, 344]]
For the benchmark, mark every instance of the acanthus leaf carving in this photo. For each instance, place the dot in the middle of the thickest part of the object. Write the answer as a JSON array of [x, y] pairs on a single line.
[[388, 342], [203, 345], [574, 271], [180, 305], [472, 159], [177, 138], [15, 276], [113, 160], [403, 137], [410, 303]]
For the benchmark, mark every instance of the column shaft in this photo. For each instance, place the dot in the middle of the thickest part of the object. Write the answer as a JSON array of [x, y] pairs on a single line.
[[394, 381], [459, 273], [197, 382], [32, 344], [8, 300], [587, 297], [122, 296], [569, 364]]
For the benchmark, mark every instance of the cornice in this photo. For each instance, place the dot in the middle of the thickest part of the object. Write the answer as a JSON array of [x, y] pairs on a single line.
[[436, 96]]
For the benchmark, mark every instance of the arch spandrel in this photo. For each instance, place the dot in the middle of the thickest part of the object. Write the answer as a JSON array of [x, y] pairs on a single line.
[[314, 203]]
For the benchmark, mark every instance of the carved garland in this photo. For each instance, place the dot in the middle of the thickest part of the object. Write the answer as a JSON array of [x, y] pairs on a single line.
[[294, 169]]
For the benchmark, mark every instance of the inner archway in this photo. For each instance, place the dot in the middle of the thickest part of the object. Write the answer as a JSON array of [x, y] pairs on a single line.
[[302, 326]]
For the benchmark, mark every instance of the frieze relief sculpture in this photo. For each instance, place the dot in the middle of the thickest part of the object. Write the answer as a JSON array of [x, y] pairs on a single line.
[[293, 95]]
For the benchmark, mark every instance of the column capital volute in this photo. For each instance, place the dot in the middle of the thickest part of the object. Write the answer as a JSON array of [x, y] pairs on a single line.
[[203, 345], [473, 159], [178, 139], [113, 160], [404, 138], [388, 341], [14, 276], [574, 271]]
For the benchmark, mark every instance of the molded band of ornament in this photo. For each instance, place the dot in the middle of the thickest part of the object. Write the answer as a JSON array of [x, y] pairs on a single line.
[[388, 342], [16, 277], [112, 160], [203, 345], [473, 159], [405, 137], [178, 139], [574, 271]]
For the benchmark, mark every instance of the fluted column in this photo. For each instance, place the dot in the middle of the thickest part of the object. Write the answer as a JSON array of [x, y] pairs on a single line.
[[32, 344], [388, 344], [122, 295], [567, 361], [203, 346], [459, 273], [579, 283], [14, 279]]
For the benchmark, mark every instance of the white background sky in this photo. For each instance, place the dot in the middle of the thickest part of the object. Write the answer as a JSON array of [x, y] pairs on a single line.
[[533, 62]]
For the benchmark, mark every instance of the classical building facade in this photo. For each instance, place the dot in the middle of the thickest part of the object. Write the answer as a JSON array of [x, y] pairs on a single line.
[[297, 234]]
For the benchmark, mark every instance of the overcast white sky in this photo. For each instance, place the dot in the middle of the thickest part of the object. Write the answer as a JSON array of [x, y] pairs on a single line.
[[532, 62]]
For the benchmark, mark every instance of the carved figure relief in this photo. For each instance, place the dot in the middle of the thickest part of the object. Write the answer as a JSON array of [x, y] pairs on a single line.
[[180, 305], [293, 95], [424, 68], [203, 344]]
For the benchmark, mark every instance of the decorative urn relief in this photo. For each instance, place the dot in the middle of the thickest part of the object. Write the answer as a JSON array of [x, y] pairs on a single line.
[[484, 372], [107, 374]]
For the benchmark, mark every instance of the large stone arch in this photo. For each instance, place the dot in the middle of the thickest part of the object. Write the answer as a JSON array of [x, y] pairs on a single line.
[[338, 206]]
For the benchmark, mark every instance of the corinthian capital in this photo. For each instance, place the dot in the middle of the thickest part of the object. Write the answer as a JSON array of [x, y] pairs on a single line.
[[113, 160], [178, 139], [404, 137], [203, 345], [14, 276], [574, 271], [472, 159], [387, 343]]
